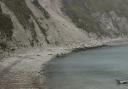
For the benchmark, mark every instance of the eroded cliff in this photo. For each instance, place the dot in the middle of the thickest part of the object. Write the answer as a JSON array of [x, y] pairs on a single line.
[[30, 23]]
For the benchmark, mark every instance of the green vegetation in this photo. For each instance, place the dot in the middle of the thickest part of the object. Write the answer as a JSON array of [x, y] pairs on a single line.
[[6, 30], [45, 13], [3, 46], [20, 9], [81, 16], [43, 30], [6, 26], [80, 11], [24, 14]]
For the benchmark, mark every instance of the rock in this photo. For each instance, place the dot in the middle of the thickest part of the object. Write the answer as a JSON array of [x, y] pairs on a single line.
[[121, 81]]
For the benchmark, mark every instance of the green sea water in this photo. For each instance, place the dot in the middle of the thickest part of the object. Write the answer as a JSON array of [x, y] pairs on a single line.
[[89, 69]]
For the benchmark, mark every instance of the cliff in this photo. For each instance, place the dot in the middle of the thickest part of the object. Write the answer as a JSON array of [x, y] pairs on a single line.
[[26, 23], [45, 28]]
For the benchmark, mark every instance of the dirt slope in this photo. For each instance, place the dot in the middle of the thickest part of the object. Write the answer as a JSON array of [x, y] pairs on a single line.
[[38, 29]]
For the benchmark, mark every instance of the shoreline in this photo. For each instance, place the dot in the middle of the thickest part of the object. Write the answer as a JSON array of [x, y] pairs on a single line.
[[112, 43], [23, 69]]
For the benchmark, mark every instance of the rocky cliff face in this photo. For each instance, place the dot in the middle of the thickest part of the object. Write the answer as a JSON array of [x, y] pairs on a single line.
[[25, 23], [106, 18], [26, 31]]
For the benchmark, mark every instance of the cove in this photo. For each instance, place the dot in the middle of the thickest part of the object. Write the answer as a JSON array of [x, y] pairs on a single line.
[[89, 69]]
